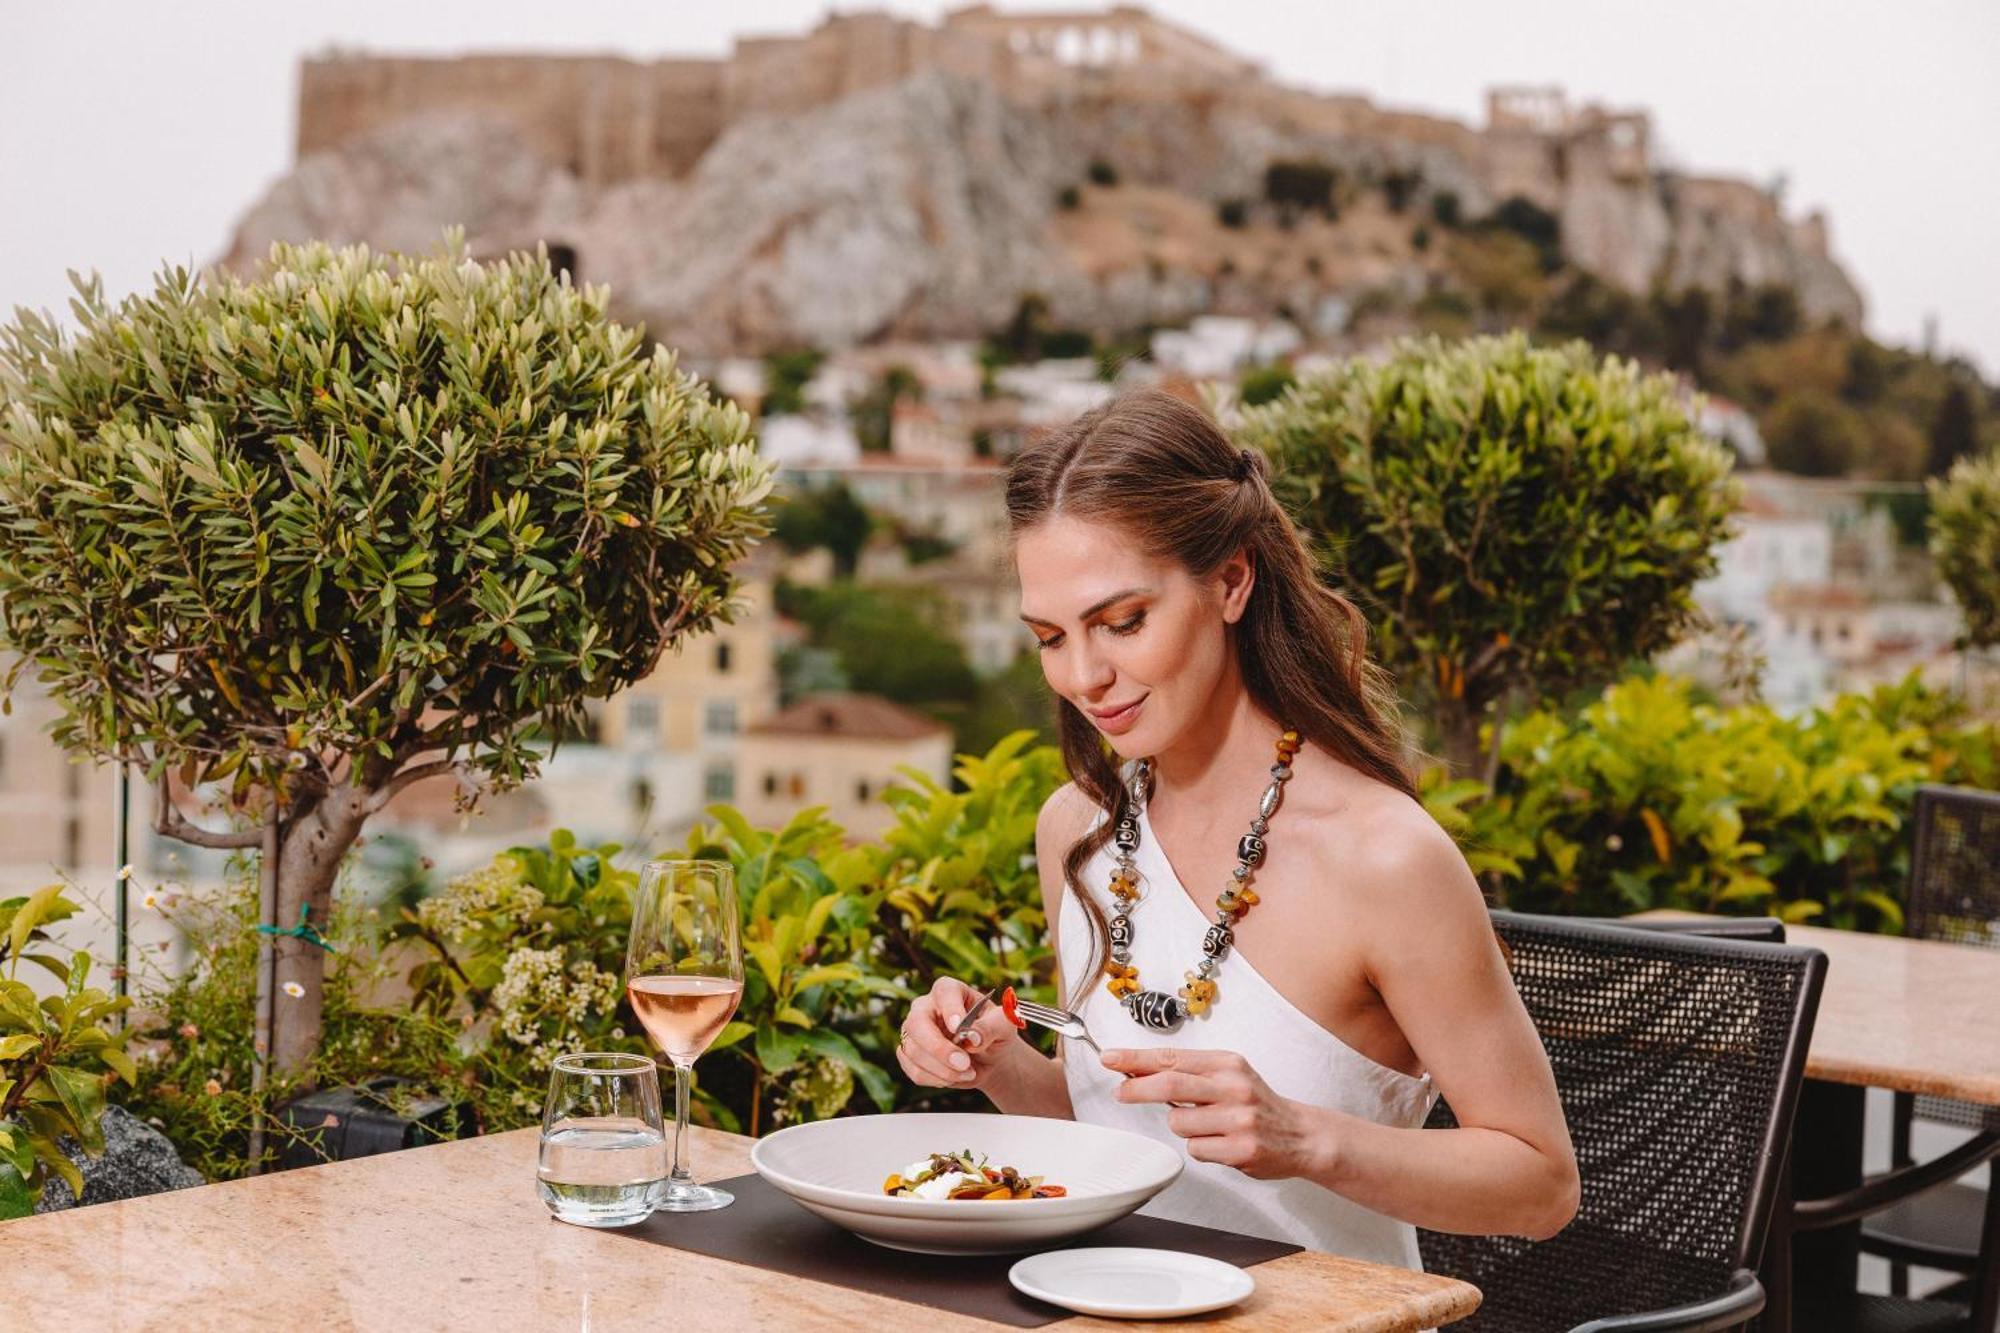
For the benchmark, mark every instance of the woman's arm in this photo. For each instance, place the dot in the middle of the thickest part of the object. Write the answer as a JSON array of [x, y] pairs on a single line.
[[1015, 1077], [1431, 955]]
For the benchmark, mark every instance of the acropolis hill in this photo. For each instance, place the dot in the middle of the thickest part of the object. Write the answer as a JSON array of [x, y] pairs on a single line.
[[880, 176]]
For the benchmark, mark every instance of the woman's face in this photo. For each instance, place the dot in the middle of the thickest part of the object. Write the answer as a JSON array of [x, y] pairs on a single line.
[[1134, 641]]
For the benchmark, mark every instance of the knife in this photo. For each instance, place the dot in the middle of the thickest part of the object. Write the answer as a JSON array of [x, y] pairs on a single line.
[[965, 1024]]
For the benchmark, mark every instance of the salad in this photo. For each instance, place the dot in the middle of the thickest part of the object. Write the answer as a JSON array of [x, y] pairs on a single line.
[[956, 1175]]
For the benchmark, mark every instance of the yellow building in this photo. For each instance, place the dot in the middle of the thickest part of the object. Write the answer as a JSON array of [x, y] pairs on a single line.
[[698, 702], [838, 750]]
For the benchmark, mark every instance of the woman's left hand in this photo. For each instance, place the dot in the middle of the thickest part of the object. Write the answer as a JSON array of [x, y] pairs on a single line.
[[1225, 1111]]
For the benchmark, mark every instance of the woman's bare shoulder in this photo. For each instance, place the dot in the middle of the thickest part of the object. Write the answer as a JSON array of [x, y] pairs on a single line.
[[1397, 865], [1064, 817]]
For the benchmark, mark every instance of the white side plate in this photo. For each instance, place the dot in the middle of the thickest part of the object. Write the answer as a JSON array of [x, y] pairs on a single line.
[[1129, 1283]]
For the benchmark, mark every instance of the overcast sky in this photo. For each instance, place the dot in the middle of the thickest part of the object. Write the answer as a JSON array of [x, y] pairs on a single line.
[[132, 132]]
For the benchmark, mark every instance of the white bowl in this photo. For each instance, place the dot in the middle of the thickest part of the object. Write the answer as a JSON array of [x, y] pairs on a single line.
[[835, 1168]]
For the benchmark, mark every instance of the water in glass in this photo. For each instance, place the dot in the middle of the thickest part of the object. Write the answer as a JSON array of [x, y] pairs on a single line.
[[604, 1145]]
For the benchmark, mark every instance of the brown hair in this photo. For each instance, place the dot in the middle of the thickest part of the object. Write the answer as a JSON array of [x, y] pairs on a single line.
[[1162, 471]]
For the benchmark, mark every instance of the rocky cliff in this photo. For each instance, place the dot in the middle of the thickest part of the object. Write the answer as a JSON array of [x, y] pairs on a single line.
[[931, 206]]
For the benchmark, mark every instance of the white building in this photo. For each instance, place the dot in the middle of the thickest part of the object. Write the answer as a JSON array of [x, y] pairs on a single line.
[[1054, 392], [1219, 346], [800, 441]]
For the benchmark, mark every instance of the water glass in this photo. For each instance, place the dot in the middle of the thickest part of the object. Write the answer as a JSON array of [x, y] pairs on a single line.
[[604, 1143]]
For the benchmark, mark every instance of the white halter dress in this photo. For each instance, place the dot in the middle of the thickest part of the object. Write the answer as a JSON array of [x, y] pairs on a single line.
[[1297, 1057]]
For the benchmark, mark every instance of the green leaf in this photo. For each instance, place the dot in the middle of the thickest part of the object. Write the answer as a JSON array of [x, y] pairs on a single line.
[[19, 1008], [824, 974], [57, 1161], [82, 1097], [778, 1051], [731, 1033], [120, 1063], [29, 916], [881, 1088], [18, 1045], [16, 1199]]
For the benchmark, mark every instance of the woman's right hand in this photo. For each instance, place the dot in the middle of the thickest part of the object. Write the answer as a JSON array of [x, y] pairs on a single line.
[[928, 1054]]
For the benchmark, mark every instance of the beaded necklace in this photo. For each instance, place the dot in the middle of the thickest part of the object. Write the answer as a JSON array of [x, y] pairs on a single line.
[[1156, 1009]]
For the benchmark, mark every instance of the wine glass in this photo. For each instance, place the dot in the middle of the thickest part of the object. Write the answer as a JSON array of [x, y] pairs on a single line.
[[684, 975]]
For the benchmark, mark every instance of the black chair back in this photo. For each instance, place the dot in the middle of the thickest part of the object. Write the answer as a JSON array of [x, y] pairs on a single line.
[[1678, 1060], [1955, 896]]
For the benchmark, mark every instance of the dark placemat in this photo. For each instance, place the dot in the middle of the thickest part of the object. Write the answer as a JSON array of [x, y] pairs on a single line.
[[765, 1229]]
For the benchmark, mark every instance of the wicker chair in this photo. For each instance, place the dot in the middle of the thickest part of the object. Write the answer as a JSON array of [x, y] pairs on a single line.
[[1955, 896], [1678, 1060]]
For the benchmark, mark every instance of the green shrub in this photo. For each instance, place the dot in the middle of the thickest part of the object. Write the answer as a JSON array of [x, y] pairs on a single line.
[[1066, 344], [1264, 384], [1815, 435], [1954, 432], [54, 1056], [896, 640], [786, 375], [1301, 185], [1533, 224], [1519, 521], [1650, 798], [826, 516], [472, 993], [357, 521], [1965, 538], [1400, 187]]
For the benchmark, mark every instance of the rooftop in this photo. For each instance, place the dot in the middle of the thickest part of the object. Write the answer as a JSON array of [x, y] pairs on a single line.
[[849, 716]]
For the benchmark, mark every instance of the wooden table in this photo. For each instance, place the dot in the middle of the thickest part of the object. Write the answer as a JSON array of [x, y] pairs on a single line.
[[454, 1236], [1908, 1015]]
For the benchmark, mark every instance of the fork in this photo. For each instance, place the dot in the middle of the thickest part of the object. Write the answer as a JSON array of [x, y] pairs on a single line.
[[1060, 1021], [1066, 1024]]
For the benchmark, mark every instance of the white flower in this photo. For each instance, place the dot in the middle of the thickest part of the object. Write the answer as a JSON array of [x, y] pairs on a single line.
[[294, 989], [482, 897], [151, 899], [124, 872], [1614, 842]]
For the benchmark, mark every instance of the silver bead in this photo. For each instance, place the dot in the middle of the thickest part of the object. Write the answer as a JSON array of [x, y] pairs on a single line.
[[1241, 872], [1207, 968], [1121, 955], [1260, 826], [1281, 771], [1268, 802]]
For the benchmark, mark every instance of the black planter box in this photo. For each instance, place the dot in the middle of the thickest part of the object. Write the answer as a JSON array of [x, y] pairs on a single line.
[[335, 1124]]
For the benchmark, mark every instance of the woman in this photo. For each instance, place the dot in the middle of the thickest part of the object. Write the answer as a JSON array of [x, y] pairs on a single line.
[[1290, 960]]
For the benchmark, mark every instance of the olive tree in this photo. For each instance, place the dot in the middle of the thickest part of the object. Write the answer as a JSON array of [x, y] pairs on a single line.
[[1965, 539], [1516, 520], [306, 538]]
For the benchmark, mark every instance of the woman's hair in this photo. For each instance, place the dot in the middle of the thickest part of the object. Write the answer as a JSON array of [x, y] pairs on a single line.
[[1161, 471]]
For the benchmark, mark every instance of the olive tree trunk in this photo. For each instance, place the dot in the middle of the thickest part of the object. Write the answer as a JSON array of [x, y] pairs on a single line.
[[309, 857], [313, 838]]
